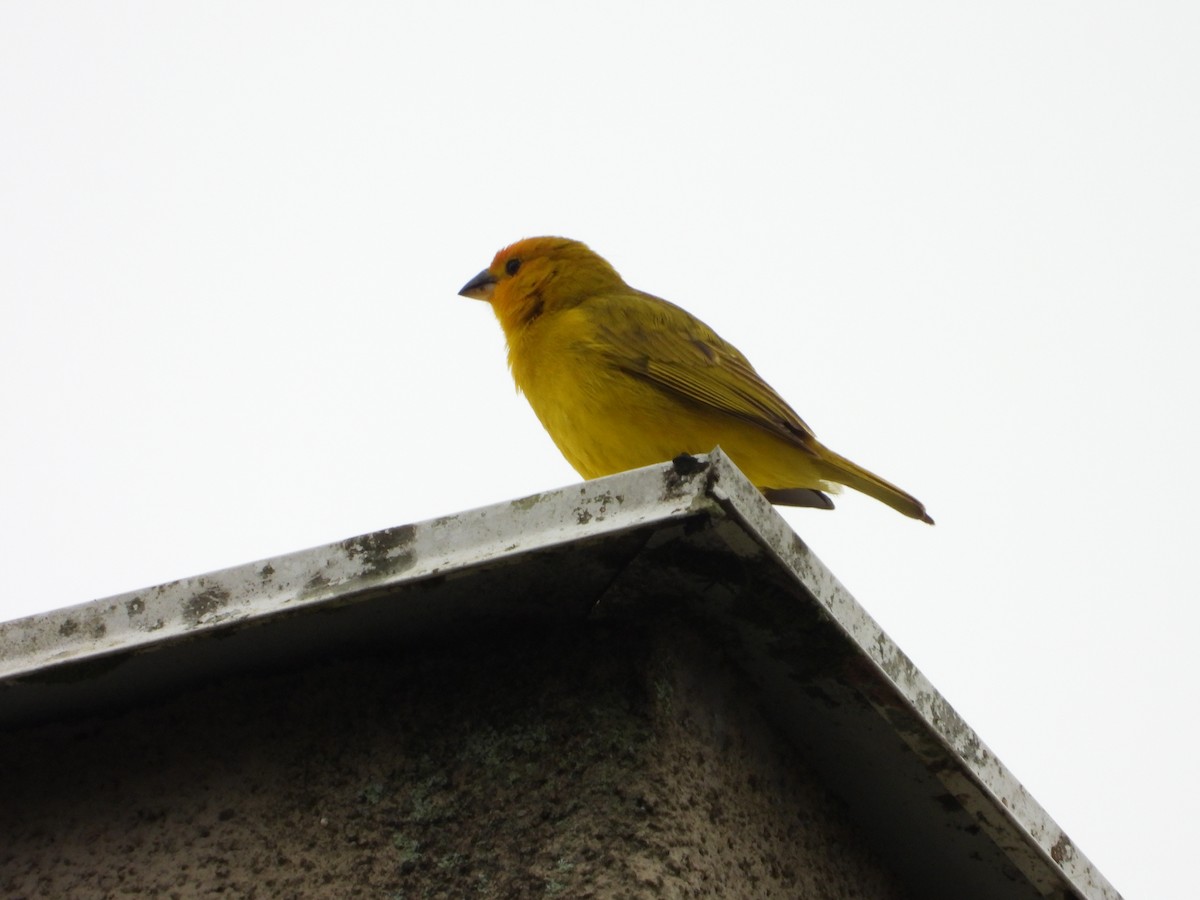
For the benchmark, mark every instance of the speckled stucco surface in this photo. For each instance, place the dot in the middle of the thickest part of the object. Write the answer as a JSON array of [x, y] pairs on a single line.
[[603, 759]]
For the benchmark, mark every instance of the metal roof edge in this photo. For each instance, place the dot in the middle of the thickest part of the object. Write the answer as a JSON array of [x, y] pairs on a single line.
[[374, 564], [996, 787], [367, 563]]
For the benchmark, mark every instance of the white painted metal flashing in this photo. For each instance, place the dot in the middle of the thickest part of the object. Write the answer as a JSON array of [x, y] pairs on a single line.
[[658, 500], [370, 563]]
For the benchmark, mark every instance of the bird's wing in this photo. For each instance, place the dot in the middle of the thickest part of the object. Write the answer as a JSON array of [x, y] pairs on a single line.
[[663, 345]]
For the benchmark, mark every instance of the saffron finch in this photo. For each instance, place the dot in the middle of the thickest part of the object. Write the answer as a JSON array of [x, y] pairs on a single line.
[[622, 379]]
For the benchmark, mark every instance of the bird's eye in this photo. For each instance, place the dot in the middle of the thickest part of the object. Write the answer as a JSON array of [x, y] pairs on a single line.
[[511, 266]]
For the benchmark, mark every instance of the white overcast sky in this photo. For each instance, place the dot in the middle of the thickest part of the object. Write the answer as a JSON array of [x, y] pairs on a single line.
[[962, 239]]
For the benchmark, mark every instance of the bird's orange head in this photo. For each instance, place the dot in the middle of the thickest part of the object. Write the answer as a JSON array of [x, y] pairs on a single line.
[[540, 275]]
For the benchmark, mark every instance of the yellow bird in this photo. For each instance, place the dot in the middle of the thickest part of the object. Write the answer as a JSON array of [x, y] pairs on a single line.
[[622, 379]]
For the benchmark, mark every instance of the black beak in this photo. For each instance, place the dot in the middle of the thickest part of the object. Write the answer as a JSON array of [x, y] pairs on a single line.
[[480, 287]]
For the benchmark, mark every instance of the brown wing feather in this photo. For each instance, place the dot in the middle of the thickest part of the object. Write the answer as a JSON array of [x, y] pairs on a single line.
[[678, 353]]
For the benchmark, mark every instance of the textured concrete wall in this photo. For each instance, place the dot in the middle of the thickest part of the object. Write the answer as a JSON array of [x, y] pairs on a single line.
[[609, 759]]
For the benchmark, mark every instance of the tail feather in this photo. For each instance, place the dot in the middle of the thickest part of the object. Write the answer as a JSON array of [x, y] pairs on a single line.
[[838, 468]]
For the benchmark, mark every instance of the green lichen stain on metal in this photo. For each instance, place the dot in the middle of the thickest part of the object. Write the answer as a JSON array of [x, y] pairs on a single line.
[[386, 552], [196, 607], [135, 607], [94, 629], [524, 504], [584, 514], [266, 572], [315, 585], [899, 668]]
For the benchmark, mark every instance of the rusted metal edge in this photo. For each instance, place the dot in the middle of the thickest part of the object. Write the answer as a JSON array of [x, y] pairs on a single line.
[[984, 786]]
